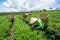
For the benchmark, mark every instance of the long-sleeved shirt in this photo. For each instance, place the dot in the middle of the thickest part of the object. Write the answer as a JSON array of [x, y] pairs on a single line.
[[39, 23]]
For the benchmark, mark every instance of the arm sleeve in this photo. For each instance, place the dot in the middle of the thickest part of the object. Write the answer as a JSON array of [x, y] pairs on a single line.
[[40, 23]]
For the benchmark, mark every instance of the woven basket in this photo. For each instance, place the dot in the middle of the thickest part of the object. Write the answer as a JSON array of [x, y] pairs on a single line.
[[44, 17], [25, 15]]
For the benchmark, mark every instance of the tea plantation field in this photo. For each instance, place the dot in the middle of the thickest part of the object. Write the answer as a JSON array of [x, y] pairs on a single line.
[[22, 30]]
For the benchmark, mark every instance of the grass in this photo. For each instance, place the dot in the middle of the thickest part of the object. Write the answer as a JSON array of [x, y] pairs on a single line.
[[4, 27], [22, 30]]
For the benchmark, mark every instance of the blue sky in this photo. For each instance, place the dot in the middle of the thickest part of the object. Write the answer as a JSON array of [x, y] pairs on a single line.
[[2, 0], [56, 4], [27, 5]]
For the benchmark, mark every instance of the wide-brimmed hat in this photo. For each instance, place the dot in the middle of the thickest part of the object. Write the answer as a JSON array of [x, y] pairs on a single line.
[[33, 20]]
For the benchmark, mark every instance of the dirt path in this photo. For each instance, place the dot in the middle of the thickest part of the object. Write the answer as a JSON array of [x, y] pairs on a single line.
[[10, 33]]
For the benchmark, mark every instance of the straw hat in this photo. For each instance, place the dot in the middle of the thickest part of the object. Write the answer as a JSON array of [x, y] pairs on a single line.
[[33, 20]]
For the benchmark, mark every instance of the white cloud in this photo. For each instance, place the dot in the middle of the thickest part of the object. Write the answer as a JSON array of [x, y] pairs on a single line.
[[8, 10], [26, 5]]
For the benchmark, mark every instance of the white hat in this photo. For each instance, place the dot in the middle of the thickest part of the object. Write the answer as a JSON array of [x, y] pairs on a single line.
[[33, 20]]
